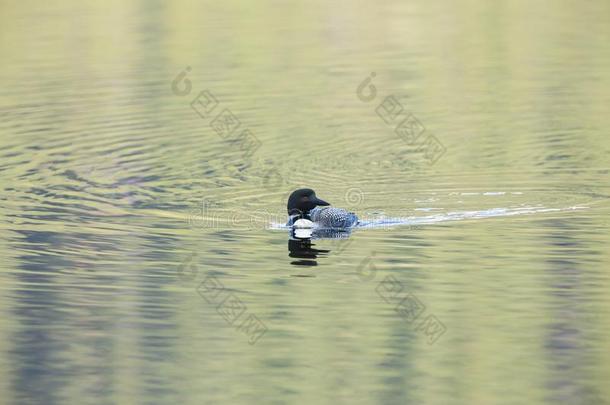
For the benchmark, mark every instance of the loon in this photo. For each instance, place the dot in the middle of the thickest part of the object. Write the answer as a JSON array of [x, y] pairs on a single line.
[[305, 210]]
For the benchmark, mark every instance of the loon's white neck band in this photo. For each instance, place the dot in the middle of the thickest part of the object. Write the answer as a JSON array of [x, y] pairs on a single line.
[[302, 224]]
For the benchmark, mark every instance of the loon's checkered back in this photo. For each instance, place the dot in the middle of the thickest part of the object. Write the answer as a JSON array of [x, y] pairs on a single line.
[[330, 217]]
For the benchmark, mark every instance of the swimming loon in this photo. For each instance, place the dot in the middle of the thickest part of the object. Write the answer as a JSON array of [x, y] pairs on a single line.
[[306, 210]]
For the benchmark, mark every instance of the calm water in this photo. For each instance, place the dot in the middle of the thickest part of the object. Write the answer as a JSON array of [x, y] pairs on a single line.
[[143, 259]]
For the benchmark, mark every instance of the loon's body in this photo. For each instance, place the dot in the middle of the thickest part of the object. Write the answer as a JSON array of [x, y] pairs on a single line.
[[331, 217], [305, 210]]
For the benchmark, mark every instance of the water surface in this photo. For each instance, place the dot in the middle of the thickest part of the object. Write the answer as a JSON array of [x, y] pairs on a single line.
[[481, 278]]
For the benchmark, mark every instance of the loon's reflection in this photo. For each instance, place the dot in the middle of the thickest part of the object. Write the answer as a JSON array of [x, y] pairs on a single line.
[[303, 249], [300, 244]]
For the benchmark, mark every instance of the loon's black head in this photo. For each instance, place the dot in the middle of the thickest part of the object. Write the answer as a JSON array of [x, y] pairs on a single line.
[[302, 201]]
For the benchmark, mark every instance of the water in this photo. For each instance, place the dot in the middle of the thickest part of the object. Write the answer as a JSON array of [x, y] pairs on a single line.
[[143, 257]]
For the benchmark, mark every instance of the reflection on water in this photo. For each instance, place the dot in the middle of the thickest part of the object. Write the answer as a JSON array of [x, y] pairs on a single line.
[[143, 249], [304, 251], [300, 244]]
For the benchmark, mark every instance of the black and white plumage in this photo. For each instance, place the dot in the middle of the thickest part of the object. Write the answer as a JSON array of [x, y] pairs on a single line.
[[331, 217], [306, 210]]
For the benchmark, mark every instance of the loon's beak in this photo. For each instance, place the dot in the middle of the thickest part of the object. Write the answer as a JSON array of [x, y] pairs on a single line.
[[317, 201]]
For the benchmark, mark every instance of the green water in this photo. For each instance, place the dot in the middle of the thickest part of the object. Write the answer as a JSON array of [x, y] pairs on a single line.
[[142, 261]]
